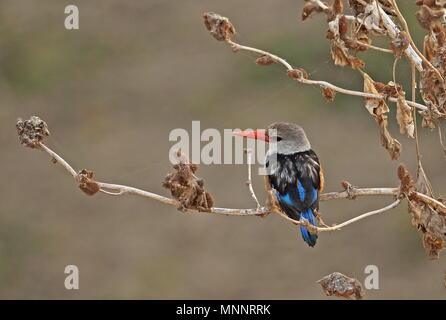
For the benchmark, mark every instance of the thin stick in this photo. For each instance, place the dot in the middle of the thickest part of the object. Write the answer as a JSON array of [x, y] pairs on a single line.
[[412, 43], [249, 182], [440, 136], [58, 159], [393, 32], [370, 46], [394, 70], [237, 47], [362, 216], [119, 190]]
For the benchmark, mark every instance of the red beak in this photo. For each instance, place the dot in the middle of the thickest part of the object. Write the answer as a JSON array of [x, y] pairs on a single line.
[[259, 134]]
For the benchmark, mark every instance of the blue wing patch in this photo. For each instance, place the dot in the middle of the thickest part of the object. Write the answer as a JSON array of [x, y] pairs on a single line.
[[285, 198], [302, 191]]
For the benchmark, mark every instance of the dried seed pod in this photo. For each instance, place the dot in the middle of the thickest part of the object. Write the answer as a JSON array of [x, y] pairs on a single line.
[[297, 74], [86, 183], [338, 284], [265, 60], [219, 27], [407, 185], [31, 132], [186, 188], [328, 93]]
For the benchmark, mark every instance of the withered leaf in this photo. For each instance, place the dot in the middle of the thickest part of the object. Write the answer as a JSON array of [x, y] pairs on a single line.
[[428, 50], [338, 7], [390, 89], [440, 34], [404, 117], [427, 16], [431, 222], [429, 3], [431, 225], [341, 57], [372, 19], [400, 44], [378, 109], [375, 106], [339, 44], [433, 244], [343, 27], [432, 114], [310, 8]]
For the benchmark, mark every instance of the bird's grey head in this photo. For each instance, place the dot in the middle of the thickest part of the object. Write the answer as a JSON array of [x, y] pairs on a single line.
[[287, 138]]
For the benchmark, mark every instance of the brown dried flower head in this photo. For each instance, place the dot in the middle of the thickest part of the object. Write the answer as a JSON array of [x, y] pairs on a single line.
[[297, 74], [219, 27], [86, 183], [186, 187], [328, 93], [31, 132], [405, 178], [338, 284], [265, 60]]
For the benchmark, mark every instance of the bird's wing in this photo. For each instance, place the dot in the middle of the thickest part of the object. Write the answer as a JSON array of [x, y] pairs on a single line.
[[296, 179]]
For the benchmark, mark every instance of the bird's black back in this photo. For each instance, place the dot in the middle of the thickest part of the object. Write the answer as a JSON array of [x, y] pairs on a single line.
[[285, 171]]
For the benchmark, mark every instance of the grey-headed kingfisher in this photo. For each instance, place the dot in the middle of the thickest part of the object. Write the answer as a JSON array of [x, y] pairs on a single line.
[[293, 172]]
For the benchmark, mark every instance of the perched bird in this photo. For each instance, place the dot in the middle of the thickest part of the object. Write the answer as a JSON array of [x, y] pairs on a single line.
[[293, 172]]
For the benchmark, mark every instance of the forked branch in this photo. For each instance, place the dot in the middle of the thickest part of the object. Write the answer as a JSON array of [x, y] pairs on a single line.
[[33, 131]]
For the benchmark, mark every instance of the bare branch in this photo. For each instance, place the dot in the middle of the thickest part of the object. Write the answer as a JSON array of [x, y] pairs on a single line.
[[393, 32], [412, 43], [119, 190], [363, 216], [249, 182], [237, 47], [370, 46]]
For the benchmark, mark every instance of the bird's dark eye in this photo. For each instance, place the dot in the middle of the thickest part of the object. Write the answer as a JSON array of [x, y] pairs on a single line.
[[278, 138]]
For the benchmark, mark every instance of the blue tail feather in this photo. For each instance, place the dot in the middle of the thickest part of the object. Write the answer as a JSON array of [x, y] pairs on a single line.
[[309, 238]]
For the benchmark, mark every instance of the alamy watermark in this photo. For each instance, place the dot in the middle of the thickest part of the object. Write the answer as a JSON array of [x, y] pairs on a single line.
[[72, 280], [72, 18], [213, 146]]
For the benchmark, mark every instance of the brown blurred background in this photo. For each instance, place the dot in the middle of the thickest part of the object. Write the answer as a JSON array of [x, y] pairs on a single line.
[[113, 90]]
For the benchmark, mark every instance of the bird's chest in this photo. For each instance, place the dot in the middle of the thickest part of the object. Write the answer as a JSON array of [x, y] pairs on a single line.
[[281, 168]]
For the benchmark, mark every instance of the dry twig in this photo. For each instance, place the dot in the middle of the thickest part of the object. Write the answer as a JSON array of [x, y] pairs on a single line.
[[90, 187]]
